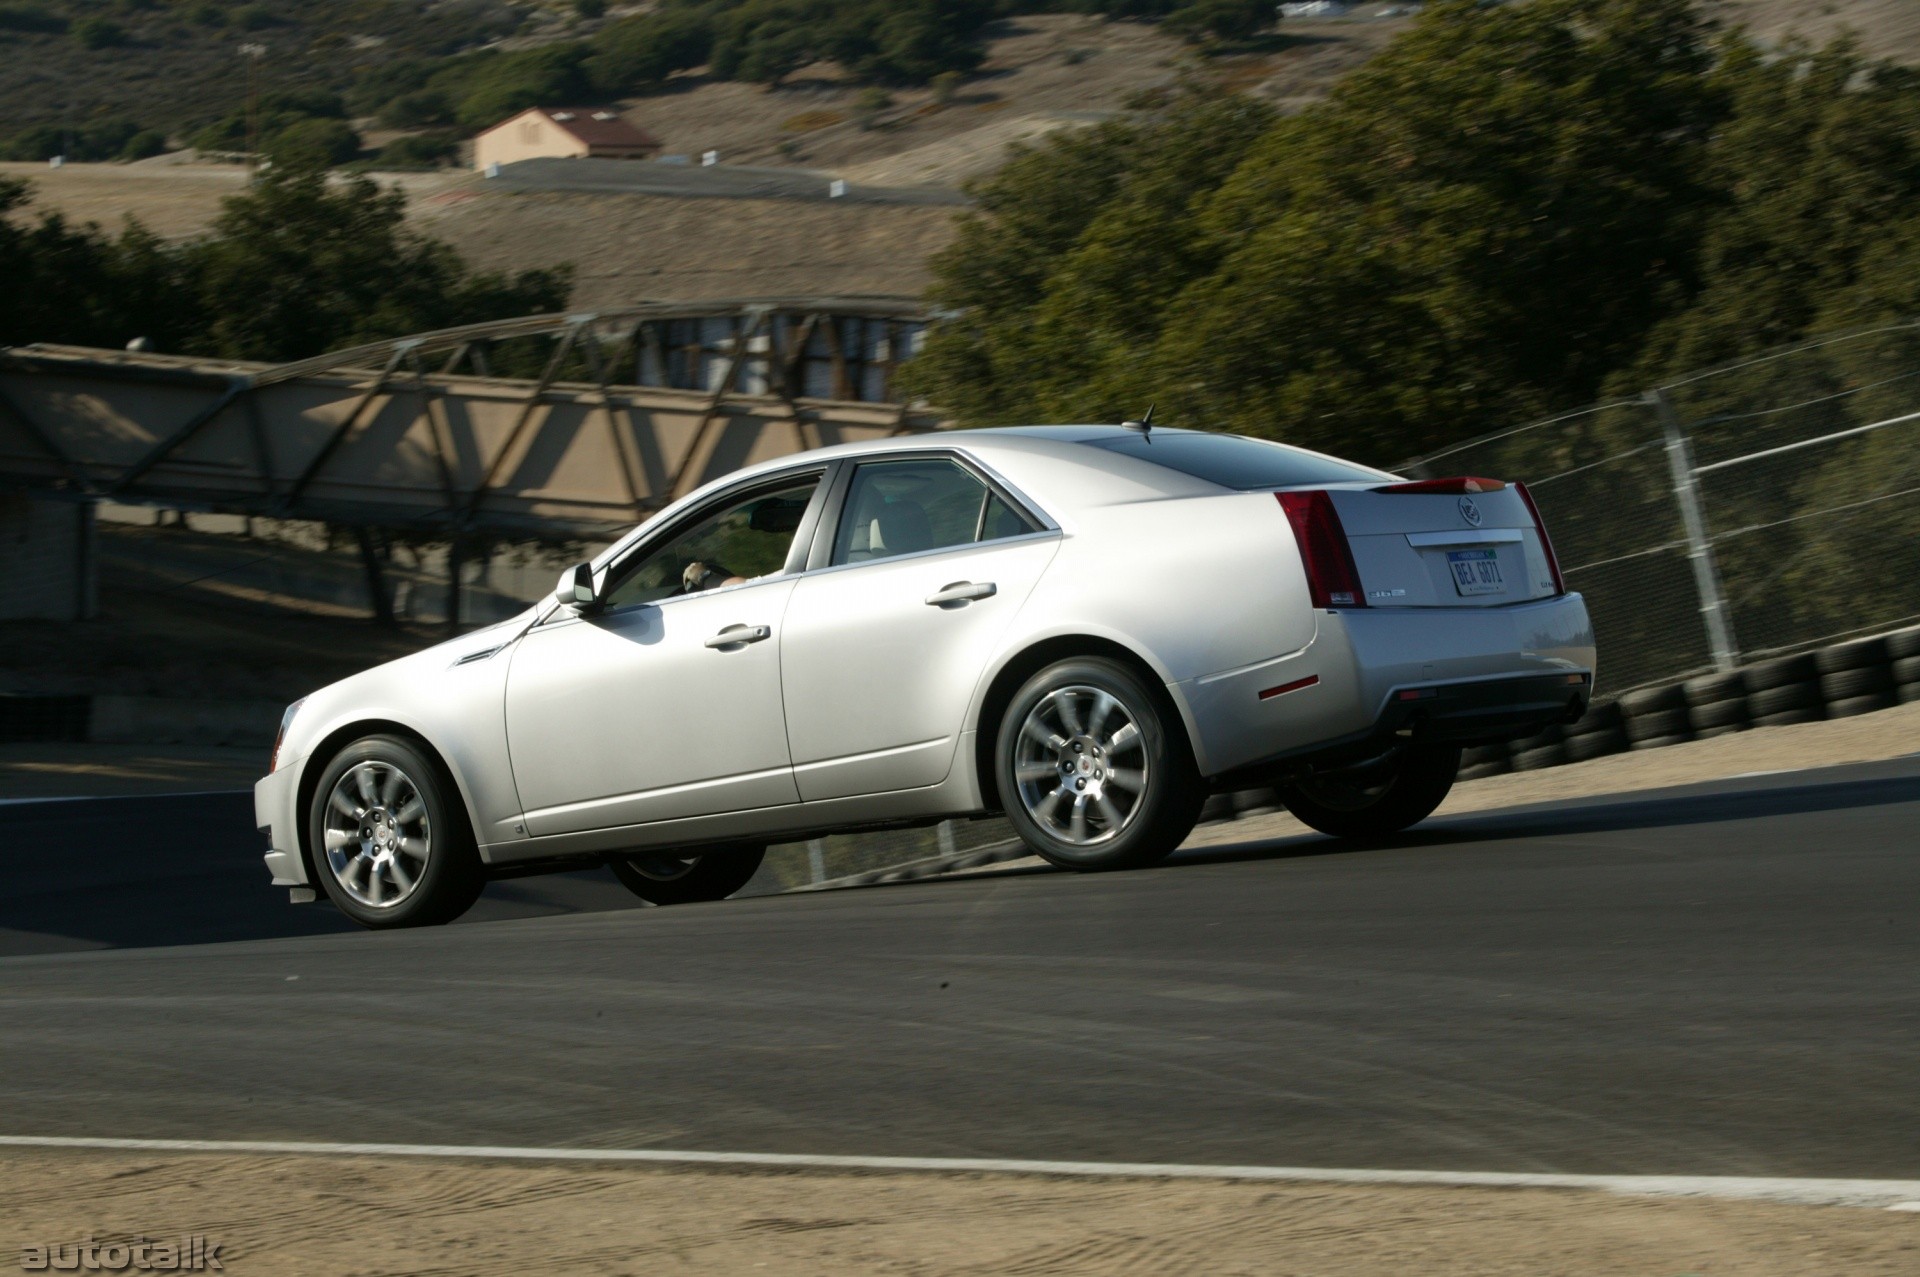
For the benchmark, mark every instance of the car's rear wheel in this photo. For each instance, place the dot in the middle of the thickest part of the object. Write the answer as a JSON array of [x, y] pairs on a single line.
[[1094, 769], [391, 843], [677, 878], [1380, 796]]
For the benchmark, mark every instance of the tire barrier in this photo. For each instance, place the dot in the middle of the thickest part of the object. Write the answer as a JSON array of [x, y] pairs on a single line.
[[1657, 716], [1856, 677]]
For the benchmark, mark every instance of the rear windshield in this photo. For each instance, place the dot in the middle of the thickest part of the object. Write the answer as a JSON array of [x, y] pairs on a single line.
[[1235, 462]]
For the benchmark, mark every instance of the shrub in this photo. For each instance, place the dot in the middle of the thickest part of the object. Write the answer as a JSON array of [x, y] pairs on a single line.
[[99, 33]]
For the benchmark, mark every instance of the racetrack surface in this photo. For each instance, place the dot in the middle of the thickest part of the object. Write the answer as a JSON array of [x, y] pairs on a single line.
[[1717, 980]]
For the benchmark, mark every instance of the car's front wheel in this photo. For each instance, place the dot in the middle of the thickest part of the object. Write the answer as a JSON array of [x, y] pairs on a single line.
[[1094, 769], [1375, 798], [390, 838], [676, 878]]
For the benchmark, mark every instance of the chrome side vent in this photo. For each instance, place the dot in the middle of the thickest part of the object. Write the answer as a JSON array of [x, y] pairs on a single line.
[[480, 655]]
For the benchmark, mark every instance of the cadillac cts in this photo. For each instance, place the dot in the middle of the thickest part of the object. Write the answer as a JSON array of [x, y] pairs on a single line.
[[1086, 628]]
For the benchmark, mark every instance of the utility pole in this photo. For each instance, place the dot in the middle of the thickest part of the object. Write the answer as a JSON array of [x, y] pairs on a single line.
[[253, 53]]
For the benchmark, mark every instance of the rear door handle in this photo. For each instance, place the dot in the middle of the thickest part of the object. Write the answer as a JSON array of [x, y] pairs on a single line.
[[962, 592], [740, 635]]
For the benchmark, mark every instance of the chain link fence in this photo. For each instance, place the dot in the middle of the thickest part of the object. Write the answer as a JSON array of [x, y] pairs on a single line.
[[1748, 511]]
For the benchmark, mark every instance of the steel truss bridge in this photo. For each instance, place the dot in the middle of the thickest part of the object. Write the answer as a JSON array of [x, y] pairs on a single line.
[[629, 410]]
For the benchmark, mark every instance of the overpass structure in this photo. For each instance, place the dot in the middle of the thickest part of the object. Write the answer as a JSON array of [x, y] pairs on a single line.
[[629, 409], [617, 413]]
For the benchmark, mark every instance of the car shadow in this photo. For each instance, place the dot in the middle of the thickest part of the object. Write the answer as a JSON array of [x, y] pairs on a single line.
[[186, 869]]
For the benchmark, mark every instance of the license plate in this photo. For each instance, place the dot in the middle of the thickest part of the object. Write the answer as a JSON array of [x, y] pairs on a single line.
[[1476, 571]]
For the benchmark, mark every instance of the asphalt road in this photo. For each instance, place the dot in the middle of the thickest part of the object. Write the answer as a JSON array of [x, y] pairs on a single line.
[[698, 181], [1723, 979]]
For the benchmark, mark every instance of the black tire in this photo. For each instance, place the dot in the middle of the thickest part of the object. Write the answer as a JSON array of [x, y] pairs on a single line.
[[1910, 693], [1653, 700], [1663, 725], [1852, 705], [1865, 680], [442, 888], [1720, 717], [1782, 671], [1860, 654], [1906, 671], [1405, 791], [1533, 760], [1904, 645], [1149, 822], [1781, 700], [665, 878], [1786, 718], [1486, 760], [1596, 745], [1661, 742], [1715, 689]]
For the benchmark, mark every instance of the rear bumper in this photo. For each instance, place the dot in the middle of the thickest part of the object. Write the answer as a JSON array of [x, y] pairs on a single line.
[[1493, 673], [275, 811]]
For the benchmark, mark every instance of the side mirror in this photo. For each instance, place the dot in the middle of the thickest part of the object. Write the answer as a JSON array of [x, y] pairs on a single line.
[[576, 586]]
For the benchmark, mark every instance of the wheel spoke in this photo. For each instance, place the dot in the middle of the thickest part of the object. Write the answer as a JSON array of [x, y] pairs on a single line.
[[363, 778], [1032, 773], [1069, 713], [1125, 779], [1036, 731], [401, 878], [411, 812], [1108, 812], [391, 789], [354, 869], [374, 883], [1077, 827], [1128, 737], [341, 839], [415, 847], [344, 805], [1103, 707], [1048, 804]]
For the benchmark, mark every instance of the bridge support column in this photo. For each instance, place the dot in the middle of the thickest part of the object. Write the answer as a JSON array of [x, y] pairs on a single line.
[[48, 561]]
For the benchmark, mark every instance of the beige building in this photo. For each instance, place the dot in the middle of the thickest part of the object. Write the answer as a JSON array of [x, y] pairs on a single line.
[[544, 131]]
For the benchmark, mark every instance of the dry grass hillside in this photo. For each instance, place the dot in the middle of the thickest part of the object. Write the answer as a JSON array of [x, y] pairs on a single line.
[[1043, 73]]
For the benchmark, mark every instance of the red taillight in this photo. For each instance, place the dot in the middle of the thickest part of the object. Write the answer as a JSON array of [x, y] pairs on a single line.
[[1331, 577], [1546, 542], [1458, 486]]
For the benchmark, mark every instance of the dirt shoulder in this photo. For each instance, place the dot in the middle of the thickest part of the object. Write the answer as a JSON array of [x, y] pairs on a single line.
[[374, 1215], [1891, 733]]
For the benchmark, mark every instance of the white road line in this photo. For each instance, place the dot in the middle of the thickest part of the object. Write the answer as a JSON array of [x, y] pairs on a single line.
[[1891, 1194]]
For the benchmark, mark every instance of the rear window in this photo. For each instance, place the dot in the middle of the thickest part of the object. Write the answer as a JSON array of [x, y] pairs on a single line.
[[1235, 462]]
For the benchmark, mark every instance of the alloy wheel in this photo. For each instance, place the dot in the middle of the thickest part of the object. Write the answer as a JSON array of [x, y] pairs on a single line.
[[378, 834], [1080, 765]]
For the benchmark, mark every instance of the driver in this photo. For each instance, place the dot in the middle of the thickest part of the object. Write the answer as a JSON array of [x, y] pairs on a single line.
[[700, 576]]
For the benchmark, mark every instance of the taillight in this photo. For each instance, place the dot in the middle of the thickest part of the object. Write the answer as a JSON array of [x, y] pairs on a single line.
[[1331, 577], [1458, 486], [1546, 542]]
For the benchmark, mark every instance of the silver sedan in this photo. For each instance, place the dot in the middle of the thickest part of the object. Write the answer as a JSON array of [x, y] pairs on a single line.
[[1087, 628]]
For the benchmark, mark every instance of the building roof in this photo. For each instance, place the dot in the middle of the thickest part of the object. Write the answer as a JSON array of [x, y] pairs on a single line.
[[598, 126]]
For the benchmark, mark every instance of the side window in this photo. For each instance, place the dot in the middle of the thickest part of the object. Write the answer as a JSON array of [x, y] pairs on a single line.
[[903, 507], [737, 543]]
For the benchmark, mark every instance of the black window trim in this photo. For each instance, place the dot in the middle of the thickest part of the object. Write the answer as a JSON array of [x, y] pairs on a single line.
[[820, 556], [796, 553]]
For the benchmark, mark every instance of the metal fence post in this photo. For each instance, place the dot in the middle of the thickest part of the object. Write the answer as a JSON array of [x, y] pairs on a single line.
[[1706, 572]]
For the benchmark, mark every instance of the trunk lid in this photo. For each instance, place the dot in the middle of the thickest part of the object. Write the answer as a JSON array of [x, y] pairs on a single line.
[[1447, 543]]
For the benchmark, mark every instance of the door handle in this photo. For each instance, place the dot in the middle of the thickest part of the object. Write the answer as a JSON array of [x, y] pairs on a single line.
[[740, 635], [962, 592]]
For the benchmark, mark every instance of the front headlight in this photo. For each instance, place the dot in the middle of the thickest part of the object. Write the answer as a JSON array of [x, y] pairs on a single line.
[[286, 721]]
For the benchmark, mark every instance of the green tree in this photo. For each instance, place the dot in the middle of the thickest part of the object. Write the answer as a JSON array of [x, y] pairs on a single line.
[[312, 144], [1393, 267], [298, 266], [1222, 20], [99, 33]]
